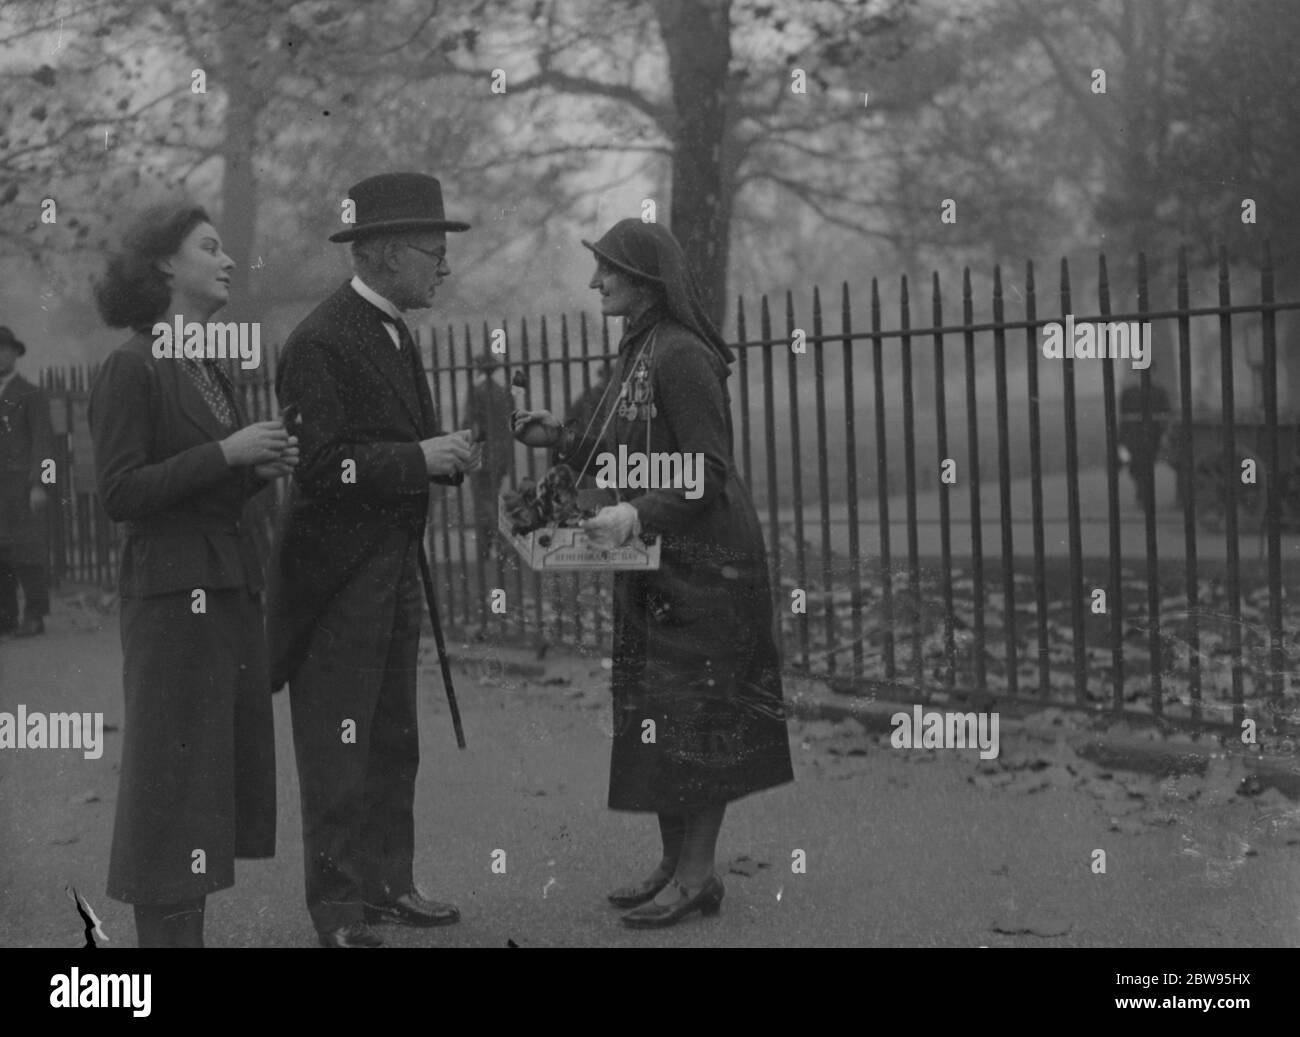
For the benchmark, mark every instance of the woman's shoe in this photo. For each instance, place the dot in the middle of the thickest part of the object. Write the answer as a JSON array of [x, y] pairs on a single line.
[[707, 900], [640, 892]]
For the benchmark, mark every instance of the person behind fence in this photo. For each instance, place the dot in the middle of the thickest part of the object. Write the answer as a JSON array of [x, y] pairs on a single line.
[[698, 710], [1142, 440], [345, 601], [487, 407], [25, 445], [175, 463]]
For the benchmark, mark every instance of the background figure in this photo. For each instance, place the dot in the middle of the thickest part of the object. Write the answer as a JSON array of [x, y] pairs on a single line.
[[1141, 440], [488, 404], [25, 441]]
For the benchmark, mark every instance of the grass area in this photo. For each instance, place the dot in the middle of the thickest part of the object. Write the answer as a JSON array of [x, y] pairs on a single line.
[[573, 609], [1187, 639]]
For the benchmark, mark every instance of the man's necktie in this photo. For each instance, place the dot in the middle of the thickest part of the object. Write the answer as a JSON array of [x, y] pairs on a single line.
[[403, 334], [412, 355]]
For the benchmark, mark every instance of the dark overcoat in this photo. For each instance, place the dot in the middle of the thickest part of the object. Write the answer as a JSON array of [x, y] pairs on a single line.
[[694, 649], [198, 755], [25, 441], [362, 472]]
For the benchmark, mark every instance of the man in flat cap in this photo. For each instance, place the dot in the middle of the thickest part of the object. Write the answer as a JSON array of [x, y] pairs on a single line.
[[25, 440], [345, 604]]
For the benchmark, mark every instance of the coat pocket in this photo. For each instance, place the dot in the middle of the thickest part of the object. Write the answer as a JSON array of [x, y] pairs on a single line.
[[182, 561], [696, 635]]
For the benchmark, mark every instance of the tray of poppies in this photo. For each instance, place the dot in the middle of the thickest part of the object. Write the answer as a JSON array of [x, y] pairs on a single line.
[[543, 518]]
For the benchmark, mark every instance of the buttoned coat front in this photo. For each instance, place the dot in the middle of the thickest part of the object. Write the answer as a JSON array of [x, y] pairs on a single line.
[[365, 406], [694, 647], [197, 785]]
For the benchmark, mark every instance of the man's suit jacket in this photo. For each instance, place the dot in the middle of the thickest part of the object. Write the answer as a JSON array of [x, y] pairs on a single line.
[[364, 408], [162, 474], [25, 441]]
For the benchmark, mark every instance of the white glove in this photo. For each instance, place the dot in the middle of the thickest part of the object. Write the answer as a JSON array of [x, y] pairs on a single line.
[[613, 526]]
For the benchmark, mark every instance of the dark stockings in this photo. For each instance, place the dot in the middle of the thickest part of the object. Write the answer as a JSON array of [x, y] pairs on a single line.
[[690, 840], [170, 925]]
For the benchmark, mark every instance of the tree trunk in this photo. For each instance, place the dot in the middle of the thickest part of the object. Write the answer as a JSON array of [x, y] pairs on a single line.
[[697, 36], [241, 68]]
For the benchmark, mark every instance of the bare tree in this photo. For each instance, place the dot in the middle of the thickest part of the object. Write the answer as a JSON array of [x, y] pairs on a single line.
[[724, 118]]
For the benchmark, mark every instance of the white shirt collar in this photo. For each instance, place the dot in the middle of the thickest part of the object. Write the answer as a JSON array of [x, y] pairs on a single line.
[[371, 296], [6, 379]]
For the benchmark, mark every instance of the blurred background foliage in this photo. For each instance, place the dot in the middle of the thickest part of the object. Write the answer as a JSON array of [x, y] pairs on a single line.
[[990, 103]]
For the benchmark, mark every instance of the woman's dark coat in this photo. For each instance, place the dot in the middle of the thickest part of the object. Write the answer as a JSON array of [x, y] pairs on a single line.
[[693, 641], [198, 758]]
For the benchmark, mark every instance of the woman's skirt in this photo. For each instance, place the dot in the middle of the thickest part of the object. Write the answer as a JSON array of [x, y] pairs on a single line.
[[698, 710], [197, 784]]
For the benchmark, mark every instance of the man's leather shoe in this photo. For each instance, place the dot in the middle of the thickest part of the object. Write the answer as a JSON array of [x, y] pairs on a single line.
[[358, 934], [412, 909], [30, 627]]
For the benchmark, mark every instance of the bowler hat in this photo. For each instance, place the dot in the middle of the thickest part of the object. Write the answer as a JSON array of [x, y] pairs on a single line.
[[486, 362], [8, 338], [396, 202]]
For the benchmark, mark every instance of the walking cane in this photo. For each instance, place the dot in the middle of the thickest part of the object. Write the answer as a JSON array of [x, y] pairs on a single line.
[[479, 436], [443, 661]]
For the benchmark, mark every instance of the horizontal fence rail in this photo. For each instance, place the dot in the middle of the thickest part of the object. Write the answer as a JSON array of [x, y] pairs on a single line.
[[994, 550]]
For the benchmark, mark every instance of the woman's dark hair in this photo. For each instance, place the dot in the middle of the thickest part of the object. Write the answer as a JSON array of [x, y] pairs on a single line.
[[133, 292]]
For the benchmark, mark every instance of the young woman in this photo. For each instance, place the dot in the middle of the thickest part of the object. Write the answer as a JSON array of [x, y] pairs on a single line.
[[693, 644], [175, 464]]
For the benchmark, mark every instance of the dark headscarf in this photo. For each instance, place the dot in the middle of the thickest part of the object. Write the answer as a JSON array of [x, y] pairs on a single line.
[[650, 252]]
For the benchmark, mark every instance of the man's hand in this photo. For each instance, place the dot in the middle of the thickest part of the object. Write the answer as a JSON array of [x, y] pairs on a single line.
[[475, 457], [475, 445], [37, 498], [284, 466], [446, 455]]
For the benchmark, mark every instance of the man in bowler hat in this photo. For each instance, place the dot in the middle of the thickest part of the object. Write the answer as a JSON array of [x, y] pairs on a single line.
[[345, 604], [25, 440]]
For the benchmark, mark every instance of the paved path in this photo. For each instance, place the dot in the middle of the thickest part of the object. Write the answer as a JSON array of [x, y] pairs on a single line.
[[911, 848]]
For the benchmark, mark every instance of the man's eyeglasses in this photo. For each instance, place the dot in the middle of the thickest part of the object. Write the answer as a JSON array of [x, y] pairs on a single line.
[[441, 257]]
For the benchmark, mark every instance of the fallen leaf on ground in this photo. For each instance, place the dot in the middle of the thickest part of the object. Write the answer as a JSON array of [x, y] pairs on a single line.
[[1032, 925], [745, 865]]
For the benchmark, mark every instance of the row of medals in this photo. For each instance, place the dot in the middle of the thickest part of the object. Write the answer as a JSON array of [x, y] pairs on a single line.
[[635, 396]]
